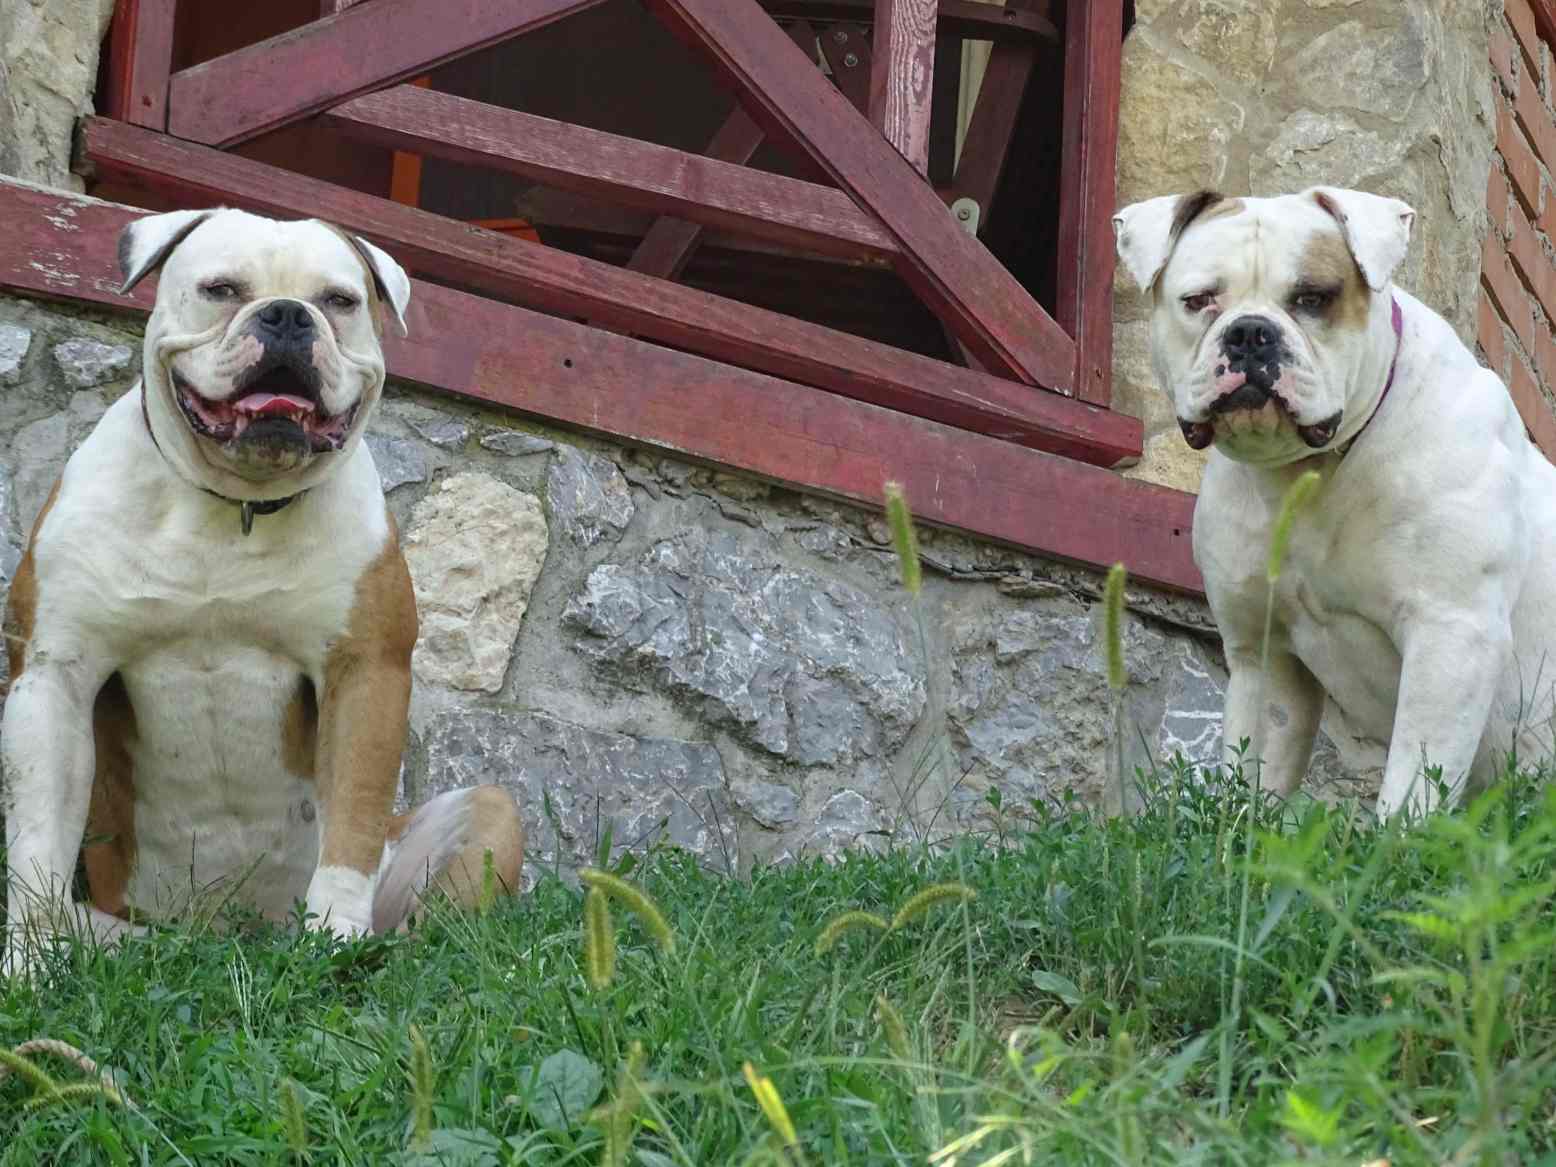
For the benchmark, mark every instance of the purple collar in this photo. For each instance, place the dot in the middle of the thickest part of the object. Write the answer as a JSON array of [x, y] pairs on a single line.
[[1399, 343]]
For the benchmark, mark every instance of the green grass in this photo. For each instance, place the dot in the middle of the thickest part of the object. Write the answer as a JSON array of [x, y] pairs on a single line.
[[1397, 1001]]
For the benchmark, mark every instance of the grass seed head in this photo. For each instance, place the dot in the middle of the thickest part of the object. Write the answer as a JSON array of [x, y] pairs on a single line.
[[1296, 497], [1113, 626], [838, 925], [599, 940], [772, 1106], [904, 539], [293, 1118], [488, 894], [894, 1028], [635, 901], [936, 893], [421, 1091]]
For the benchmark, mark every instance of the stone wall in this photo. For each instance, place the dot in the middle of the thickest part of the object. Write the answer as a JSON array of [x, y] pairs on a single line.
[[1265, 97], [48, 68], [624, 638]]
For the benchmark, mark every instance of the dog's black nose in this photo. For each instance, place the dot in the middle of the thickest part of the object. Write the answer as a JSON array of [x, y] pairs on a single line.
[[1252, 336], [285, 321]]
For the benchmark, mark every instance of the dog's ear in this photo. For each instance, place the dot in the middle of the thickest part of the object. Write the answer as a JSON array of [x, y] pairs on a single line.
[[1376, 228], [394, 286], [1147, 232], [146, 243]]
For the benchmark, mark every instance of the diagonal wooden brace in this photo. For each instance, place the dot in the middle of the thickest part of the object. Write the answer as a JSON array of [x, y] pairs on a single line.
[[978, 299]]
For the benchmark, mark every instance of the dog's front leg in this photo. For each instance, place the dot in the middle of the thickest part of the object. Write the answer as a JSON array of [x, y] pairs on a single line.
[[1447, 684], [362, 720], [48, 755], [1275, 707]]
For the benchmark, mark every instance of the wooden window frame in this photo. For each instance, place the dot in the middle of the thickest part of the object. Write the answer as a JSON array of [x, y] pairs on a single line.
[[1014, 445]]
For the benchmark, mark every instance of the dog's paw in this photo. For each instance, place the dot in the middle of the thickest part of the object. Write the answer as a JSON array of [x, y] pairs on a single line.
[[341, 901]]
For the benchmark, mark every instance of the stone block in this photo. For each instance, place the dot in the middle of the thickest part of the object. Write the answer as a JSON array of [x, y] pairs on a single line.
[[475, 548]]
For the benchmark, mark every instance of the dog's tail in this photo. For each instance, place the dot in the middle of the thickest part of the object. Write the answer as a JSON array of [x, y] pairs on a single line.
[[426, 844]]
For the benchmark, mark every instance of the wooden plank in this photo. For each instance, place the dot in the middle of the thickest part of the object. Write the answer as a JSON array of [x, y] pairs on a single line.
[[1545, 19], [951, 271], [285, 78], [669, 243], [63, 245], [968, 19], [405, 166], [1093, 54], [991, 129], [140, 60], [554, 281], [902, 76], [608, 166], [848, 53]]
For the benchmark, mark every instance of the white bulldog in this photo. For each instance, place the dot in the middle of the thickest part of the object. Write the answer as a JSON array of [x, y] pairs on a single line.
[[1419, 589], [210, 633]]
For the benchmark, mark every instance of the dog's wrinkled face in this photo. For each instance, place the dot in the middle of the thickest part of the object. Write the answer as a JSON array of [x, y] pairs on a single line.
[[1270, 316], [262, 358]]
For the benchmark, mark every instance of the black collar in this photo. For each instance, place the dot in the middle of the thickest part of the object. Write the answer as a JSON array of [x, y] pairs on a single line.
[[247, 508]]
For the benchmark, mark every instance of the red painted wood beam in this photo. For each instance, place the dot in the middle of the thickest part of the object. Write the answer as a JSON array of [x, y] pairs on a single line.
[[967, 19], [62, 245], [951, 271], [1093, 64], [555, 281], [902, 76], [667, 247], [616, 169], [140, 61], [1545, 19], [237, 96]]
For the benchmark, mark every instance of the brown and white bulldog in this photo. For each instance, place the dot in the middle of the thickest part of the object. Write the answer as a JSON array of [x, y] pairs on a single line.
[[210, 633]]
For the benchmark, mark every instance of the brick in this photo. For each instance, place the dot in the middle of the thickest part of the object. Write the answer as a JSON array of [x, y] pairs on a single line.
[[1533, 408], [1521, 17], [1537, 123], [1497, 198], [1523, 168], [1489, 334], [1545, 356], [1533, 265], [1504, 56], [1507, 292]]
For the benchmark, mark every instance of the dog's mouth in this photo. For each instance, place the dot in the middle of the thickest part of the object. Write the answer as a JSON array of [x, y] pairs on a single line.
[[277, 400], [1249, 401]]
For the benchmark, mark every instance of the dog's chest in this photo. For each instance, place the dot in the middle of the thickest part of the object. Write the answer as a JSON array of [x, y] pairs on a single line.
[[1332, 629], [223, 790]]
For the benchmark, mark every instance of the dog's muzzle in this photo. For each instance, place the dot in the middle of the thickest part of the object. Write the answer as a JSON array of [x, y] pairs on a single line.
[[1253, 349], [275, 416]]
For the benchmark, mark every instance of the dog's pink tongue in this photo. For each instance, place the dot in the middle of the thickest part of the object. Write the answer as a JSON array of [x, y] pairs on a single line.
[[261, 404]]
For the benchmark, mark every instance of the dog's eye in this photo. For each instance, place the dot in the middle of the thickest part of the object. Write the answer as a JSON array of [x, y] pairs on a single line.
[[340, 301], [1199, 301], [219, 290], [1312, 299]]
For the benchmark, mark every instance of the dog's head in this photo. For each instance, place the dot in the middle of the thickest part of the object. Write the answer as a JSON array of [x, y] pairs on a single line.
[[262, 358], [1271, 323]]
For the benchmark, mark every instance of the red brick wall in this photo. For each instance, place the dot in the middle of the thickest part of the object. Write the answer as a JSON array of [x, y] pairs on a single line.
[[1518, 262]]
